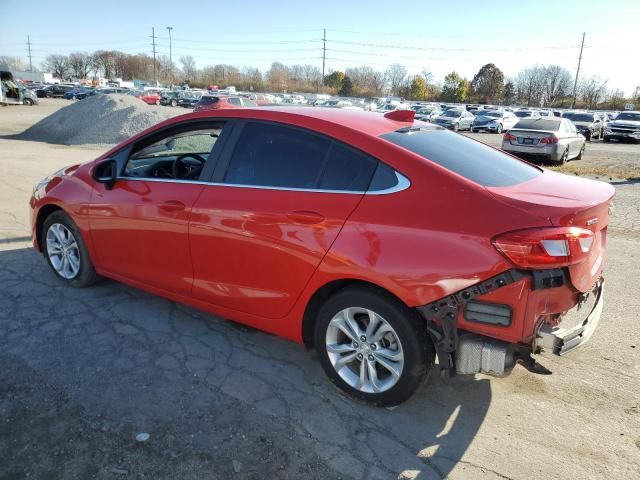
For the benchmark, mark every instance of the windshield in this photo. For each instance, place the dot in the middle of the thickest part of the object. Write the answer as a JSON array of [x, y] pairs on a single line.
[[633, 116], [524, 114], [471, 159], [579, 117], [491, 114], [451, 113]]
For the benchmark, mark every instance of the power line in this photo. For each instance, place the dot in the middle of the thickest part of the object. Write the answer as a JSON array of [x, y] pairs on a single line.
[[447, 49]]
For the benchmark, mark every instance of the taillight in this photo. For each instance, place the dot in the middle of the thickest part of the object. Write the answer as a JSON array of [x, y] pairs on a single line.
[[509, 137], [545, 247], [549, 140]]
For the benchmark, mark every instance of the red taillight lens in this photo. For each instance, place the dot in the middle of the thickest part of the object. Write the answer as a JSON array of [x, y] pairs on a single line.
[[549, 140], [545, 247], [509, 137]]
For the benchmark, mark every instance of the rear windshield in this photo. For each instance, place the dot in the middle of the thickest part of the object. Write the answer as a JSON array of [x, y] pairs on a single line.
[[579, 117], [538, 124], [524, 113], [471, 159], [207, 100]]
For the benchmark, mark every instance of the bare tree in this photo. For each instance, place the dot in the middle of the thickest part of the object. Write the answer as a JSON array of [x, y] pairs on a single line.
[[58, 65], [189, 70], [12, 63], [396, 76], [592, 91], [80, 64], [557, 84], [278, 75]]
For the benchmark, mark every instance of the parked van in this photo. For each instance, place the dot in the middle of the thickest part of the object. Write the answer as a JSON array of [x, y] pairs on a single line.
[[11, 91]]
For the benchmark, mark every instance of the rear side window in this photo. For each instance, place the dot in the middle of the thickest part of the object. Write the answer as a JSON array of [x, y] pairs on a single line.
[[234, 101], [347, 169], [276, 156], [473, 160]]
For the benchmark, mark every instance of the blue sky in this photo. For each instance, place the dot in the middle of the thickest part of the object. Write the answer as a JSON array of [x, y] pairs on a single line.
[[437, 36]]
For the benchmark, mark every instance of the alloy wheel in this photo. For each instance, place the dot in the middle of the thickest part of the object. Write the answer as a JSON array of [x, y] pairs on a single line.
[[63, 251], [364, 350]]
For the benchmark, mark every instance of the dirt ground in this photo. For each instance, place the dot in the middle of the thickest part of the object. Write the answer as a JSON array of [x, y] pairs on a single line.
[[82, 372]]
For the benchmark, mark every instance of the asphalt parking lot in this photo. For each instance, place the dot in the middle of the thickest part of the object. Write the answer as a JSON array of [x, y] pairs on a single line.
[[82, 372]]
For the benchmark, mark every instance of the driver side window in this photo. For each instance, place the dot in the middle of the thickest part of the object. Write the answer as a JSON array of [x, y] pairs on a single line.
[[176, 155]]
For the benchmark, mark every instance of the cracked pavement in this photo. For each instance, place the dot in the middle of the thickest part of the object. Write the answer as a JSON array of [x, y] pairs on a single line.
[[83, 371]]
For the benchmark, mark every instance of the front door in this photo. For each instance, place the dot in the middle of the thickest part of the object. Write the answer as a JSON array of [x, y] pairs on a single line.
[[280, 199], [139, 228]]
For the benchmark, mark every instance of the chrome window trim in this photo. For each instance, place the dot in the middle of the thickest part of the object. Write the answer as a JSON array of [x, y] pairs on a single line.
[[403, 184]]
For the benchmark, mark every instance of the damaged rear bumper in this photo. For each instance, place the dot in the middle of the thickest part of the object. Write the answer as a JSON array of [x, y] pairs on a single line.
[[575, 329]]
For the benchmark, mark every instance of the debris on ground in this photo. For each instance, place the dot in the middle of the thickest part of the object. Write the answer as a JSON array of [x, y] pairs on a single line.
[[99, 119]]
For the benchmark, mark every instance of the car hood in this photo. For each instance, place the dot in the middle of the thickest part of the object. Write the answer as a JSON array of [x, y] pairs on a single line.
[[625, 123], [447, 119]]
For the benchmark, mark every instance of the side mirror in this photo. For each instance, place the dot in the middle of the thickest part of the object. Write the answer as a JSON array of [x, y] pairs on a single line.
[[106, 172]]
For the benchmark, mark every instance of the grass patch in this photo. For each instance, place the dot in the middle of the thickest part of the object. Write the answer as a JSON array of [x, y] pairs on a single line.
[[619, 172]]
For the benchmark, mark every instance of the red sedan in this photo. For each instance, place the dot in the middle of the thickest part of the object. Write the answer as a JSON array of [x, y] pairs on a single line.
[[379, 241], [219, 102], [152, 98]]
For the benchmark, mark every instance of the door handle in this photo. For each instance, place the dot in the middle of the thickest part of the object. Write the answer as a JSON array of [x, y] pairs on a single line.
[[172, 206], [305, 217]]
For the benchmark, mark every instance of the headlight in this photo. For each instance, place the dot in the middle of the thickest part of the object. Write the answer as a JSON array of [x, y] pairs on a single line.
[[43, 183]]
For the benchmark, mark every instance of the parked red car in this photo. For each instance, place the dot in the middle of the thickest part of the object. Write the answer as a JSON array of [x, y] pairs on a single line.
[[150, 98], [218, 102], [379, 241]]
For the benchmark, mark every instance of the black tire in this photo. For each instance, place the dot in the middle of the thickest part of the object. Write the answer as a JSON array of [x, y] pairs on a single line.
[[565, 157], [606, 139], [581, 154], [455, 127], [174, 103], [86, 275], [588, 136], [499, 129], [409, 328], [28, 102]]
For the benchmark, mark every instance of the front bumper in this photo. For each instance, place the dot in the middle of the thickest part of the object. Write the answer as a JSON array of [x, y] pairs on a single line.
[[487, 128], [623, 135], [575, 329]]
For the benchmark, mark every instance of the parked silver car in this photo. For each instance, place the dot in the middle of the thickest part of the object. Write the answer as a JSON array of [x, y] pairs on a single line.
[[455, 120], [493, 121], [554, 139]]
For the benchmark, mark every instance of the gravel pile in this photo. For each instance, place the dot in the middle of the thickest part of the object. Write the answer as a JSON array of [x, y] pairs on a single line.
[[102, 119]]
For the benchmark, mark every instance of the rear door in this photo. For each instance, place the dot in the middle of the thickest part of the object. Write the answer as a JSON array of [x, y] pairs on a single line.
[[280, 196]]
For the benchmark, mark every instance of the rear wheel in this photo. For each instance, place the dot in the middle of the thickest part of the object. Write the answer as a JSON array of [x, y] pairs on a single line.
[[174, 103], [372, 346], [455, 127], [157, 102], [581, 154], [28, 101], [565, 157], [66, 252], [606, 139], [499, 129]]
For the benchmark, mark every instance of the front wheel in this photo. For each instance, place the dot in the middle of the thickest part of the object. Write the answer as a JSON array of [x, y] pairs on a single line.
[[606, 139], [455, 127], [581, 154], [174, 103], [372, 346], [28, 101], [499, 129], [66, 252]]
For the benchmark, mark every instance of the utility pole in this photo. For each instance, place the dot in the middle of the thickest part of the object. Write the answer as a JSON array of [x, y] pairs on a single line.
[[153, 42], [29, 50], [170, 57], [575, 83], [324, 51]]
